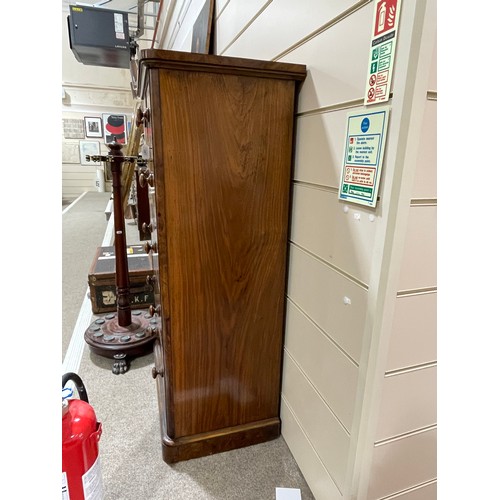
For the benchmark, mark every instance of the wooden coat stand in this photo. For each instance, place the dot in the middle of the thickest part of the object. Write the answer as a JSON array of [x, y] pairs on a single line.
[[125, 334]]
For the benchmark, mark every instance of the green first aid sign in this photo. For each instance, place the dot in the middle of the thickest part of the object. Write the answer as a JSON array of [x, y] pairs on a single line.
[[363, 156]]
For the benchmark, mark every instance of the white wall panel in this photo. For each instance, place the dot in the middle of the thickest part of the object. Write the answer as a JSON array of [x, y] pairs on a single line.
[[329, 56], [433, 72], [320, 292], [425, 182], [78, 176], [235, 17], [333, 374], [323, 430], [337, 62], [179, 34], [319, 147], [414, 330], [318, 479], [220, 6], [344, 239], [75, 168], [98, 100], [418, 269], [427, 492], [82, 184], [403, 463], [408, 403], [288, 20]]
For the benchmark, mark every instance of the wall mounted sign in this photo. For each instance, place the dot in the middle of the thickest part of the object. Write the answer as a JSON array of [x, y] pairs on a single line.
[[115, 128], [382, 51], [363, 156]]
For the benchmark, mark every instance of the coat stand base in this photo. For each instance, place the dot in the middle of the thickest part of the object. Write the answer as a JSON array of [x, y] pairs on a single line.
[[107, 338]]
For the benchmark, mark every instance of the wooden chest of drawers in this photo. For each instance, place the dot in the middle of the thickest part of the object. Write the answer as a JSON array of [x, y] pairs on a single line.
[[218, 134]]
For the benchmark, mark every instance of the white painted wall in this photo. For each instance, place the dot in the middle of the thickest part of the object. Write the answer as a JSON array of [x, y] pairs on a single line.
[[359, 391]]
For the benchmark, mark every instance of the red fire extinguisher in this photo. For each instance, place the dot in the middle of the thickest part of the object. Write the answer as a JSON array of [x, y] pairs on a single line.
[[81, 469]]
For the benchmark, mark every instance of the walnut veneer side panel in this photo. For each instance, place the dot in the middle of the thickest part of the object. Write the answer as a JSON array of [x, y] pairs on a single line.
[[228, 155]]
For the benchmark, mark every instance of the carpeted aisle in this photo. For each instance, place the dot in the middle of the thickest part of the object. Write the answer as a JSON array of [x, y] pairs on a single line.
[[83, 227], [126, 405]]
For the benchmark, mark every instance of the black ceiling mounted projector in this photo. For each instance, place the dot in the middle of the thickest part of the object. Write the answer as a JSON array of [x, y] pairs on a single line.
[[99, 37]]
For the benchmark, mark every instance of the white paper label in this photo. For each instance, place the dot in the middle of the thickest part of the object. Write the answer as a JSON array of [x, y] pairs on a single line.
[[92, 482], [119, 23], [65, 492]]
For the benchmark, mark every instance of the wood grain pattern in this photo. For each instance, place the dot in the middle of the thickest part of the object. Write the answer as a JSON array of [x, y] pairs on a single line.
[[222, 147]]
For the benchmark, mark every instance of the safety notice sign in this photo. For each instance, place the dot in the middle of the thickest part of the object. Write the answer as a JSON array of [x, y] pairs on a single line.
[[363, 156], [382, 51]]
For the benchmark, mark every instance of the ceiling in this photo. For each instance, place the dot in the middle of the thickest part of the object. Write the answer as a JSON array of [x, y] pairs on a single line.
[[124, 5]]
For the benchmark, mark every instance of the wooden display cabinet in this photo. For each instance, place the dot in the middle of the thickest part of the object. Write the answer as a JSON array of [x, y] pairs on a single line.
[[219, 138]]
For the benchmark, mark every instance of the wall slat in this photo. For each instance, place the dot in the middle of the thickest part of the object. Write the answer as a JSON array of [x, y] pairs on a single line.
[[333, 374], [322, 292]]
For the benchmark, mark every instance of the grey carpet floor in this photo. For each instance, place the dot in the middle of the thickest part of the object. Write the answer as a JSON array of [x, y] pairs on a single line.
[[83, 228], [126, 405]]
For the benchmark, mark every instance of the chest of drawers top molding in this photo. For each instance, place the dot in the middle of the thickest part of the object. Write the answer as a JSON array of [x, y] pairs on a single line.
[[176, 60]]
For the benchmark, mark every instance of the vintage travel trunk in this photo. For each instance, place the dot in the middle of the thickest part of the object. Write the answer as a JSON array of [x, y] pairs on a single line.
[[102, 279]]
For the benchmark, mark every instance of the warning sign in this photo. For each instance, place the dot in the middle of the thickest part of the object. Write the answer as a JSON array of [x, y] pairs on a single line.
[[382, 51], [363, 156], [385, 16]]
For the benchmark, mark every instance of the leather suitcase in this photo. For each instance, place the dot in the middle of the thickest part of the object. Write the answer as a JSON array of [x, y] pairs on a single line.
[[102, 279]]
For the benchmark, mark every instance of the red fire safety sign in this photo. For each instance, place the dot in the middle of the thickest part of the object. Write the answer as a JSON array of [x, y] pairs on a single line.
[[382, 51], [385, 16]]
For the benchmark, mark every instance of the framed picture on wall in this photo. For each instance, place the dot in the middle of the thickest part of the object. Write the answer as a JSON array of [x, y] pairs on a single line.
[[115, 128], [89, 148], [73, 128], [93, 127]]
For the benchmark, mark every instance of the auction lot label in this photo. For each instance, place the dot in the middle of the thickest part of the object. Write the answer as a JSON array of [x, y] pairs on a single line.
[[363, 156]]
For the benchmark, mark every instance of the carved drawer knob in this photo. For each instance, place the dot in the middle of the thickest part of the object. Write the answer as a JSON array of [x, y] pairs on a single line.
[[142, 117], [150, 280], [144, 177], [154, 310], [147, 227], [155, 372], [151, 180], [148, 247]]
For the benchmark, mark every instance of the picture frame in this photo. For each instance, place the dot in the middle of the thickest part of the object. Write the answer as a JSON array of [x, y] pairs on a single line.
[[115, 126], [201, 41], [93, 126], [89, 148], [70, 152], [73, 128]]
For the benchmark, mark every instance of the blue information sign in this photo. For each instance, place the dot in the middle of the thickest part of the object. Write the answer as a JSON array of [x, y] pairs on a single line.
[[363, 156]]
